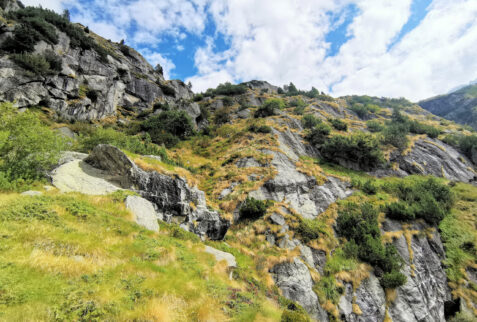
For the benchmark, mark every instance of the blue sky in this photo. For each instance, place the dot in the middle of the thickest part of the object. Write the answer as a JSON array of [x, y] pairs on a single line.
[[410, 48]]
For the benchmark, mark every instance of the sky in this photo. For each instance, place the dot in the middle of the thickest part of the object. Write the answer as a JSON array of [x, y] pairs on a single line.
[[394, 48]]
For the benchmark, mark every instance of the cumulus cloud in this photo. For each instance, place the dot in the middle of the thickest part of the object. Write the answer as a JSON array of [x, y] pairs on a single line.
[[156, 58], [282, 41]]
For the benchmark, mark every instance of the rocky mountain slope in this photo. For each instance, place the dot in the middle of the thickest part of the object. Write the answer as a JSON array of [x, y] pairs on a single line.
[[459, 106], [248, 202]]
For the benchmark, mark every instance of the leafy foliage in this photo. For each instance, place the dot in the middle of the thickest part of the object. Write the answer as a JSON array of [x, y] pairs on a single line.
[[374, 126], [227, 89], [27, 147], [310, 229], [309, 121], [427, 199], [168, 125], [318, 134], [359, 225], [338, 124], [252, 209], [360, 149], [270, 107]]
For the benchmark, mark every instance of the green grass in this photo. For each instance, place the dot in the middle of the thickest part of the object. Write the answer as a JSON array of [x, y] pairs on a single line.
[[459, 236], [77, 257]]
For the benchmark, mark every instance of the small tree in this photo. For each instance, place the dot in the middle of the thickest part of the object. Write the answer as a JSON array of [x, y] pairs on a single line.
[[252, 209]]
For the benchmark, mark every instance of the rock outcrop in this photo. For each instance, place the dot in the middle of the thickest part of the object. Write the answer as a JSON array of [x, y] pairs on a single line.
[[433, 157], [122, 82], [175, 200], [144, 212]]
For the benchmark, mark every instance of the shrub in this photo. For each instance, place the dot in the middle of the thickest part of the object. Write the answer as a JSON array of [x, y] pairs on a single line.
[[54, 60], [228, 101], [298, 102], [294, 316], [374, 126], [318, 134], [222, 116], [309, 229], [426, 199], [393, 279], [299, 110], [23, 40], [419, 128], [399, 210], [198, 97], [359, 225], [121, 140], [35, 64], [229, 89], [360, 149], [280, 91], [252, 209], [270, 107], [31, 208], [310, 121], [161, 106], [174, 122], [370, 187], [395, 135], [254, 128], [27, 147], [338, 124]]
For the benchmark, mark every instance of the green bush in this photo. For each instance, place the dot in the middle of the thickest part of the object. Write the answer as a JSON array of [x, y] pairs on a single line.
[[54, 60], [359, 225], [254, 128], [228, 101], [399, 210], [419, 128], [252, 209], [427, 199], [374, 126], [370, 187], [227, 89], [298, 102], [27, 147], [294, 316], [36, 64], [393, 279], [222, 116], [269, 108], [309, 229], [310, 121], [29, 208], [318, 134], [161, 106], [395, 135], [299, 110], [338, 124], [173, 122], [134, 144], [360, 149]]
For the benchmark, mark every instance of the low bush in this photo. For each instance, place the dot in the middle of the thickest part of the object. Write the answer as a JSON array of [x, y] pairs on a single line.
[[27, 147], [338, 124], [173, 122], [254, 128], [270, 107], [54, 60], [395, 134], [374, 126], [161, 106], [399, 210], [252, 209], [310, 121], [393, 279], [425, 198], [228, 101], [359, 225], [222, 116], [35, 64], [419, 128], [227, 89], [360, 149], [370, 187], [318, 134], [310, 229], [298, 102]]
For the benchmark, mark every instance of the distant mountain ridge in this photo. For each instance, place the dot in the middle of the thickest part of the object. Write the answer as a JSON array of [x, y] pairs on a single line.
[[459, 106]]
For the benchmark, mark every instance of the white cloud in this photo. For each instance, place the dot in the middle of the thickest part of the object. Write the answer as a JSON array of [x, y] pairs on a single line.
[[282, 41], [156, 58]]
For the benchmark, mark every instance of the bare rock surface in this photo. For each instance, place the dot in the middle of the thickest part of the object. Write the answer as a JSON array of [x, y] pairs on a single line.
[[144, 212]]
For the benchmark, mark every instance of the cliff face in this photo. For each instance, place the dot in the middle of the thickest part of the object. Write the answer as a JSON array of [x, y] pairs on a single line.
[[88, 85], [459, 106]]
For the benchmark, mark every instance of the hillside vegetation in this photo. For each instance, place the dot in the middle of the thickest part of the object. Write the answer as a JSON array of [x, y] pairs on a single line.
[[351, 208]]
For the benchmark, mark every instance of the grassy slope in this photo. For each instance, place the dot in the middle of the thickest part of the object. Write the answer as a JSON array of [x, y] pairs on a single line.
[[78, 257]]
